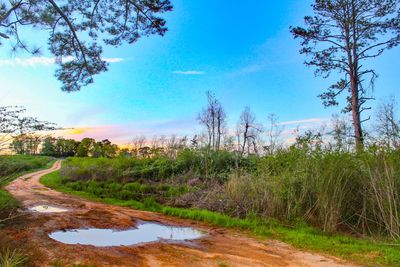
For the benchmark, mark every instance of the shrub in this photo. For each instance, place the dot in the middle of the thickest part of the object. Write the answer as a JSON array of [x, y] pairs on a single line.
[[330, 189]]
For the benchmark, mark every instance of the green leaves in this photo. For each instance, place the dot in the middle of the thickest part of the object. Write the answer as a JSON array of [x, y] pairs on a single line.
[[78, 30]]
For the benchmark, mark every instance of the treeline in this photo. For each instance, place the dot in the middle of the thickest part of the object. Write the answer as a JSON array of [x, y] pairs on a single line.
[[29, 136], [87, 147]]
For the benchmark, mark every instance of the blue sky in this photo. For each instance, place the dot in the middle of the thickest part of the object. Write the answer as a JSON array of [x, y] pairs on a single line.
[[243, 52]]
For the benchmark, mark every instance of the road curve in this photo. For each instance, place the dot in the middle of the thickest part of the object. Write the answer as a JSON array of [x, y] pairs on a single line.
[[219, 247]]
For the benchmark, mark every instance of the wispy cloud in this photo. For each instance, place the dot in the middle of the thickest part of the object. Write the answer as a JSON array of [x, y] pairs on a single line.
[[188, 72], [113, 59], [28, 62], [44, 61], [312, 120], [251, 69]]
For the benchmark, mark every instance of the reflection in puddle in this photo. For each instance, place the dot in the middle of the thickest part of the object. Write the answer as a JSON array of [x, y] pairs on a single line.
[[47, 209], [144, 233]]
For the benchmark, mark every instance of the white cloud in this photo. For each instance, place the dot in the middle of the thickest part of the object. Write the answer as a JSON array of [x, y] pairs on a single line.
[[189, 72], [113, 59], [312, 120], [27, 62], [43, 61]]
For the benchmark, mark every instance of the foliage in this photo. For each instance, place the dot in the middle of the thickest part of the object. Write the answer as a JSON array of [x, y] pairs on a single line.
[[59, 147], [7, 202], [331, 189], [203, 164], [78, 29], [342, 36], [369, 253], [10, 168], [89, 147], [23, 131], [10, 165]]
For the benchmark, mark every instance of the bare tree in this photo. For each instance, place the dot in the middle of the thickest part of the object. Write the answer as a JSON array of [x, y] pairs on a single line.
[[213, 118], [274, 132], [341, 37], [388, 124], [137, 144], [247, 131]]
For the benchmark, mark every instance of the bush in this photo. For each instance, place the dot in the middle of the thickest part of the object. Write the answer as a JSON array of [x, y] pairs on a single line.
[[10, 165], [328, 189], [332, 190]]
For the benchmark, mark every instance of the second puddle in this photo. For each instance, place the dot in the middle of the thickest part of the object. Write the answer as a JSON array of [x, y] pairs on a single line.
[[47, 209], [144, 233]]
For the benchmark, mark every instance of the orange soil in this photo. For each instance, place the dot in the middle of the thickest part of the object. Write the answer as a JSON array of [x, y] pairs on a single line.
[[219, 247]]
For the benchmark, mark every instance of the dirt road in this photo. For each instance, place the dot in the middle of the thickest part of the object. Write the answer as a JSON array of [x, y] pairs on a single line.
[[219, 247]]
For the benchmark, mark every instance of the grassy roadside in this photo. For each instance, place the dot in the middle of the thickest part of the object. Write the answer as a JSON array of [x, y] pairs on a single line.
[[366, 252], [12, 167], [6, 200]]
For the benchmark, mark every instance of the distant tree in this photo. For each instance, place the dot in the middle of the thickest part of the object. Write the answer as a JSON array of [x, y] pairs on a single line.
[[48, 147], [342, 36], [388, 123], [26, 144], [124, 152], [309, 140], [137, 143], [194, 141], [145, 152], [8, 125], [20, 133], [59, 147], [274, 132], [97, 150], [109, 150], [78, 29], [85, 147], [66, 147], [341, 134], [213, 118], [247, 131], [103, 149]]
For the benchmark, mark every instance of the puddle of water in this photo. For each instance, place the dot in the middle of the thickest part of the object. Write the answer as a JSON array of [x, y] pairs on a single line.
[[144, 233], [47, 209]]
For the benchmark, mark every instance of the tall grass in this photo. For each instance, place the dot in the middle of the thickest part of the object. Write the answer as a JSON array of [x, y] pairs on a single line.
[[364, 251], [329, 189], [11, 165], [12, 258], [204, 164], [10, 168]]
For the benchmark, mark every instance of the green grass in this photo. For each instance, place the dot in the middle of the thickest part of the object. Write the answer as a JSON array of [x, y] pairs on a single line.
[[15, 166], [12, 258], [7, 201], [367, 252]]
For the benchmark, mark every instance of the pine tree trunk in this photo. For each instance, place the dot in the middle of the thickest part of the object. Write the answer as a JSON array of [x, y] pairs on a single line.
[[355, 109], [355, 100]]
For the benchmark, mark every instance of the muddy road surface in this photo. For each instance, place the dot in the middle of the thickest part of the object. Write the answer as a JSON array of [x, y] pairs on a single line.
[[217, 247]]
